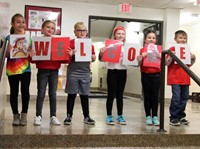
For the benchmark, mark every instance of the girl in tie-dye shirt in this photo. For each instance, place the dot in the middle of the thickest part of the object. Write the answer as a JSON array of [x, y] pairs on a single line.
[[18, 71]]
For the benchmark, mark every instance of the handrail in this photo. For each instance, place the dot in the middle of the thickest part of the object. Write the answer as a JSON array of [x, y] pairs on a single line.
[[162, 87], [2, 56]]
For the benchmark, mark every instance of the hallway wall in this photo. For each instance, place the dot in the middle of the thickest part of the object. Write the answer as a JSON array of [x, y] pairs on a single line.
[[3, 84], [193, 40], [73, 12]]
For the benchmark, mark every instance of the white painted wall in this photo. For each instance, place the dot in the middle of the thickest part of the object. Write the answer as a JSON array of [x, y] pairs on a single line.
[[193, 40], [73, 12]]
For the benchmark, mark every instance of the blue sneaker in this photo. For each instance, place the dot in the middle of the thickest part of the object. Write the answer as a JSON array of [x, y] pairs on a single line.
[[155, 121], [149, 120], [120, 120], [109, 120]]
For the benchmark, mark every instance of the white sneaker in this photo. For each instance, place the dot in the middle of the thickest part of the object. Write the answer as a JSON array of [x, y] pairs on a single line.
[[37, 120], [54, 121]]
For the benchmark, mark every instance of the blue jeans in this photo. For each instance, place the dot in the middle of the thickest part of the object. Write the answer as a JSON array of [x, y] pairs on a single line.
[[180, 95], [44, 77]]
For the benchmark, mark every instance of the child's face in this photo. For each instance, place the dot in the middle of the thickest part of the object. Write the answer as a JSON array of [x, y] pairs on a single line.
[[181, 39], [120, 35], [150, 39], [81, 31], [48, 29], [19, 25]]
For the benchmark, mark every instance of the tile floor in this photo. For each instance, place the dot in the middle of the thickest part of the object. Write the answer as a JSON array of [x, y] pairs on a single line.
[[133, 112]]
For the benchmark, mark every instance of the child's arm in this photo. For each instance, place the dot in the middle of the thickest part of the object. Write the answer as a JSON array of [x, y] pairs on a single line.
[[93, 54], [31, 53], [93, 57], [8, 50], [102, 50], [140, 58], [168, 61]]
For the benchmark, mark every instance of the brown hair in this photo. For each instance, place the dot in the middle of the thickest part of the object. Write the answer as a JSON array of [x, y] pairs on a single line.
[[47, 22], [148, 32], [180, 32], [12, 30]]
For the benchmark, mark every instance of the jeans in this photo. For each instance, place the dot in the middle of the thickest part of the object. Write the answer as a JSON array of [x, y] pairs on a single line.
[[44, 77], [180, 95]]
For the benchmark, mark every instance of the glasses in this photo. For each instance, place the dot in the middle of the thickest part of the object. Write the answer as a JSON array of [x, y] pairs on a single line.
[[82, 31]]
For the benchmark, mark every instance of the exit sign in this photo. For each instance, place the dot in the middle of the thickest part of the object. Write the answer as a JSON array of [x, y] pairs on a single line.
[[125, 7]]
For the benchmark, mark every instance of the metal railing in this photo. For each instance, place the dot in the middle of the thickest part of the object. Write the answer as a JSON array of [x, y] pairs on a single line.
[[162, 87]]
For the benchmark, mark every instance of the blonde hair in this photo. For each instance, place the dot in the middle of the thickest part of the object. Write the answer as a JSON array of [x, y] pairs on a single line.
[[78, 24]]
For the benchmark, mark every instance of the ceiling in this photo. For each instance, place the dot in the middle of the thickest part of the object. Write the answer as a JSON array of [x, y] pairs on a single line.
[[186, 7], [158, 4]]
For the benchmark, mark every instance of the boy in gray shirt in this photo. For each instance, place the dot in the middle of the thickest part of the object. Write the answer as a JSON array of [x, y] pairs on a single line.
[[78, 78]]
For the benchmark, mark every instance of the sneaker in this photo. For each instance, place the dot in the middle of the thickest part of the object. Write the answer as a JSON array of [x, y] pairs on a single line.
[[120, 120], [68, 120], [54, 120], [155, 121], [88, 120], [183, 121], [37, 120], [149, 120], [109, 120], [174, 122]]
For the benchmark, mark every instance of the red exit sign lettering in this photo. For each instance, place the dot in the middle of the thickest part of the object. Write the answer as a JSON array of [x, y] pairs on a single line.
[[125, 8]]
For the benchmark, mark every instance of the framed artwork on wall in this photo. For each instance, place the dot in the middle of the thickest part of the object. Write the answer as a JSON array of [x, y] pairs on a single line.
[[36, 15]]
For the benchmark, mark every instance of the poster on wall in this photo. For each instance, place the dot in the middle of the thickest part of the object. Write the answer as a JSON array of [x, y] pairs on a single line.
[[36, 15]]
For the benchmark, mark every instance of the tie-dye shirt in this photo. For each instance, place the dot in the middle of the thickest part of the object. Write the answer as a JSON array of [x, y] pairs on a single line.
[[17, 65]]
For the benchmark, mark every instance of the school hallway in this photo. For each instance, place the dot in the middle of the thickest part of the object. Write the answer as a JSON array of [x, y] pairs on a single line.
[[79, 135]]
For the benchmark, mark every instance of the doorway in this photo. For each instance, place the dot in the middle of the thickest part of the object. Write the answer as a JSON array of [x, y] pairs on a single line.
[[101, 28]]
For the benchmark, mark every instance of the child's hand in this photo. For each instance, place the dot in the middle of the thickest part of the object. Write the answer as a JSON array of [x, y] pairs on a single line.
[[144, 54], [102, 50], [31, 52], [93, 58], [139, 58], [158, 55], [70, 51], [193, 57]]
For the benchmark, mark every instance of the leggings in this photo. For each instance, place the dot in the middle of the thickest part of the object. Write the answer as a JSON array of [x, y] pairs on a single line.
[[14, 81], [116, 81], [84, 103]]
